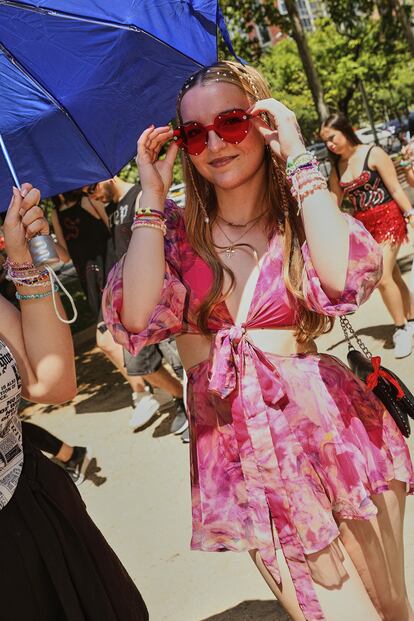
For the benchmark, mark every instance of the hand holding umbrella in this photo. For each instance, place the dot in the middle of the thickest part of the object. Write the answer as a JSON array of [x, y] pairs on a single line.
[[24, 223], [24, 220], [42, 248]]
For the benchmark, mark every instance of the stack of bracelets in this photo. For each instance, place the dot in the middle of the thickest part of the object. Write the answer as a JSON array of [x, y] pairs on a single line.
[[304, 176], [145, 217], [28, 275]]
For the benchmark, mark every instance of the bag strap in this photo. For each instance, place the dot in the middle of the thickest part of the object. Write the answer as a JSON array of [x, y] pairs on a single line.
[[350, 334]]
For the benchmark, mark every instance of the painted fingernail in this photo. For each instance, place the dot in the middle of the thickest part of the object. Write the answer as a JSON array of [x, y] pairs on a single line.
[[24, 192]]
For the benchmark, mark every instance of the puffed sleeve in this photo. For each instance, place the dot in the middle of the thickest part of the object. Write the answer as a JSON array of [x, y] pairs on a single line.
[[167, 317], [364, 273]]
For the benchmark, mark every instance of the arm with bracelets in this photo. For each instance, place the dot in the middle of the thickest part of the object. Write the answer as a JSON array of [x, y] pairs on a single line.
[[41, 343], [144, 266]]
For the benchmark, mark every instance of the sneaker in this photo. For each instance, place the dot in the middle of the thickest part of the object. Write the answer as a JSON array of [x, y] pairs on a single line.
[[78, 464], [180, 422], [185, 436], [145, 408], [409, 326], [403, 343]]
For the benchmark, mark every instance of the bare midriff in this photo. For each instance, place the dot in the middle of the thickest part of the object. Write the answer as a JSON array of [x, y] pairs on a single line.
[[195, 348]]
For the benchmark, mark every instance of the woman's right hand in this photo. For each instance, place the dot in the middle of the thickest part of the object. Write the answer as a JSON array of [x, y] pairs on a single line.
[[156, 175], [24, 220]]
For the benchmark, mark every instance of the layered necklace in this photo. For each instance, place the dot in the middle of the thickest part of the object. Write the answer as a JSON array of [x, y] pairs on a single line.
[[234, 244]]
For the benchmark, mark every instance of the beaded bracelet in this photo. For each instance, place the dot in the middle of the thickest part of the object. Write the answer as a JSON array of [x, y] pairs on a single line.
[[300, 161], [18, 266], [161, 226], [25, 273], [37, 296], [306, 181]]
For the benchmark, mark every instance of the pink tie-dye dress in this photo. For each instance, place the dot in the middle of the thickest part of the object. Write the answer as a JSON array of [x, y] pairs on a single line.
[[279, 444]]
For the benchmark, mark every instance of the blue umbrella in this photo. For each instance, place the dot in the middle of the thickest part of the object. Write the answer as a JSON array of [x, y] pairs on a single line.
[[80, 80]]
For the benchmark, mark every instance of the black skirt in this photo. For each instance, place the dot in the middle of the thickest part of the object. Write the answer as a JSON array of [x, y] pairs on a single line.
[[55, 563]]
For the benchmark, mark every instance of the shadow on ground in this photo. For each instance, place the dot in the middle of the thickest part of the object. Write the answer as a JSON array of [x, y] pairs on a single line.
[[254, 610], [378, 333]]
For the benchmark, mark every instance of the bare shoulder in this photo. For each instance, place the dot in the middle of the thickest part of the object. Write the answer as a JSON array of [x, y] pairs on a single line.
[[378, 156]]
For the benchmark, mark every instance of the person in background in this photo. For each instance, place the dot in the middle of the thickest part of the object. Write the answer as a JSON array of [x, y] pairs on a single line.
[[56, 563], [74, 459], [81, 227], [146, 368], [366, 176]]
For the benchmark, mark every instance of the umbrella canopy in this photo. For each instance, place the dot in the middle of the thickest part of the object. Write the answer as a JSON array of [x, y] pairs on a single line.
[[80, 80]]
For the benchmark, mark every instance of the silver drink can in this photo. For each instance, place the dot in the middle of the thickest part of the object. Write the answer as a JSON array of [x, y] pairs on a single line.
[[43, 250]]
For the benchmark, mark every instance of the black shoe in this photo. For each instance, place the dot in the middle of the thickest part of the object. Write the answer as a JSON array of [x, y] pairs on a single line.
[[78, 464], [180, 422]]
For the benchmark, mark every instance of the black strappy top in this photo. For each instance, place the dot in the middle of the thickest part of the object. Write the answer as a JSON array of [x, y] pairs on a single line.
[[366, 191]]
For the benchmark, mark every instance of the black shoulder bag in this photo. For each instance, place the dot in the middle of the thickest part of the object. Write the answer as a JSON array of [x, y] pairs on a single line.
[[389, 389]]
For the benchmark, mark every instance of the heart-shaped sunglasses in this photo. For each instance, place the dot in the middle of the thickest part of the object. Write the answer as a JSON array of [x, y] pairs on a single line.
[[231, 126]]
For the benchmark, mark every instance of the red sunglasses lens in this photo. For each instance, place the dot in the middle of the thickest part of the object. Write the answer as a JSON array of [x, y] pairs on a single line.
[[233, 126], [191, 137]]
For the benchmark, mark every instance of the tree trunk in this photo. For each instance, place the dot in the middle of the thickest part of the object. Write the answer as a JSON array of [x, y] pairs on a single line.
[[398, 6], [314, 82], [368, 110]]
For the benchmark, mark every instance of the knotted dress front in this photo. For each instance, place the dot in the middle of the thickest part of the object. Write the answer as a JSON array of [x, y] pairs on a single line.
[[280, 445]]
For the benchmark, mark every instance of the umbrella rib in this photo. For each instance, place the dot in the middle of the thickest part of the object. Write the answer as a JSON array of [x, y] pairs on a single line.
[[100, 22], [53, 100]]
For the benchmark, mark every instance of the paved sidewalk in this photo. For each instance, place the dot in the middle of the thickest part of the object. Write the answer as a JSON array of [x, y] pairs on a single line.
[[139, 491]]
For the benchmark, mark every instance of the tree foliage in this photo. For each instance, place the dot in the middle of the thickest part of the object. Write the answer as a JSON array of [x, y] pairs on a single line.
[[383, 65], [243, 19]]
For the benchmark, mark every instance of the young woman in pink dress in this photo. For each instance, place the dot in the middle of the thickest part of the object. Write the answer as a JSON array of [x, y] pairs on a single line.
[[365, 175], [291, 458]]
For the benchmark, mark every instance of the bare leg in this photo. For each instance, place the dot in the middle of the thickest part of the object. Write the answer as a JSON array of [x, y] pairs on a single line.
[[163, 379], [346, 599], [389, 289], [407, 296], [113, 351], [376, 548]]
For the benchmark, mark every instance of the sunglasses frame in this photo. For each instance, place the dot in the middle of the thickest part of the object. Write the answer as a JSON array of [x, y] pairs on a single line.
[[180, 131]]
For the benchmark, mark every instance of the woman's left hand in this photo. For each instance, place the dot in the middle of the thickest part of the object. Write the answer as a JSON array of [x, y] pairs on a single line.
[[286, 140], [24, 220]]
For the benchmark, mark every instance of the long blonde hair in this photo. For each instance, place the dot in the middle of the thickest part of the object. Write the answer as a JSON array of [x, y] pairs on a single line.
[[281, 208]]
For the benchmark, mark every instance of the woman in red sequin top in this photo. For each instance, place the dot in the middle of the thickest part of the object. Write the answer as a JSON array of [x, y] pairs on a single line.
[[366, 176]]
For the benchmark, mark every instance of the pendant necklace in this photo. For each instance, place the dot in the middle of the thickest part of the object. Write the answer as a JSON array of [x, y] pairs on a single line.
[[234, 244]]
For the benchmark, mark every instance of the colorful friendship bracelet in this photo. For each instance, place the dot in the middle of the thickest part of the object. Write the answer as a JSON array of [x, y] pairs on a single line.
[[303, 160], [148, 211], [37, 296]]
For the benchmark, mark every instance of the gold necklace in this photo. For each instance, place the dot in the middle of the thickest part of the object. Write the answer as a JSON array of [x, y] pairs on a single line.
[[231, 249], [240, 226]]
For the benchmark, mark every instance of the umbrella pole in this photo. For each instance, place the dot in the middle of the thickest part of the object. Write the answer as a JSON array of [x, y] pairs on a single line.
[[42, 247], [9, 162]]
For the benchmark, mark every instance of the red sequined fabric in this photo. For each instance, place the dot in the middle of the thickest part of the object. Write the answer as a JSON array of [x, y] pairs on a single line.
[[385, 223]]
